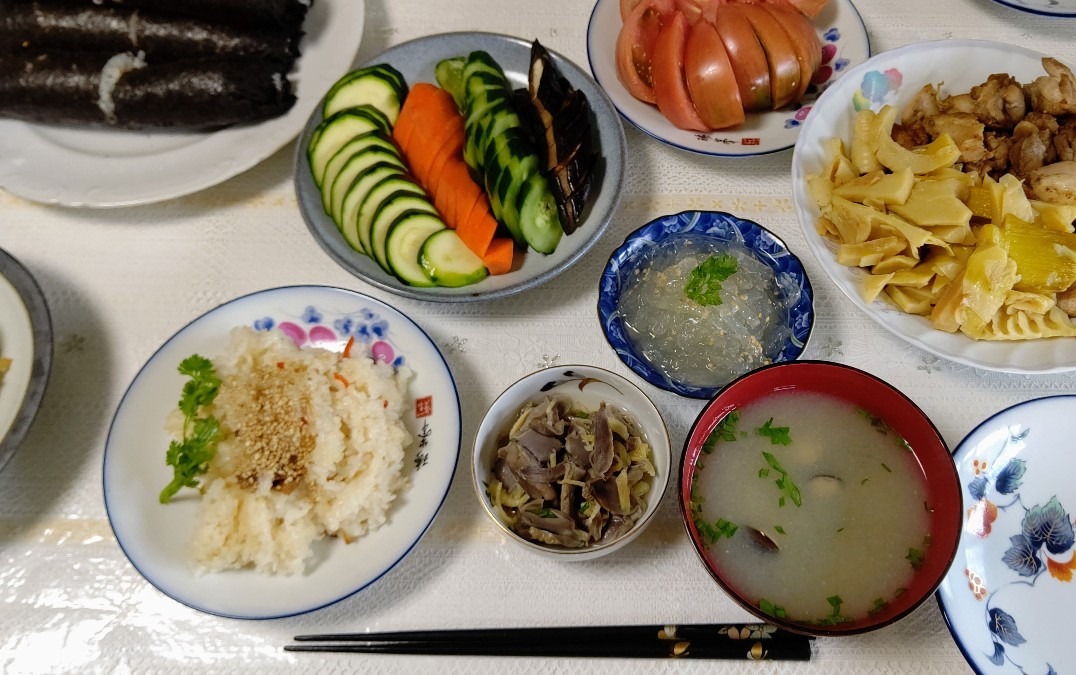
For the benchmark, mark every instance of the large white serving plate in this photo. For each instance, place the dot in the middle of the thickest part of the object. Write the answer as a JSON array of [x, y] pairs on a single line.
[[102, 168], [154, 536], [1047, 7], [893, 78], [416, 61], [26, 339], [1008, 596], [844, 44]]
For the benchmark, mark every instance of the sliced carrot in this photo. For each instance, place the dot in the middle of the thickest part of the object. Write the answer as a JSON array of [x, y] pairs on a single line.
[[500, 254], [478, 229], [425, 151], [456, 185], [423, 101]]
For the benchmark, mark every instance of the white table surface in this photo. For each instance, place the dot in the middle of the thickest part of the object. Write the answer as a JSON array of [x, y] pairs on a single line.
[[120, 282]]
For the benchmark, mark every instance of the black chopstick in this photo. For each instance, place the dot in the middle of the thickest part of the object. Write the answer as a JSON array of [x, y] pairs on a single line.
[[692, 641]]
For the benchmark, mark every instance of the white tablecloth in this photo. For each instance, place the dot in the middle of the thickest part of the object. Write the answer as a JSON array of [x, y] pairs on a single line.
[[120, 282]]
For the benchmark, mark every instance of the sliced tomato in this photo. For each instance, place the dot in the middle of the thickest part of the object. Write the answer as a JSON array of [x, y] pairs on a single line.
[[805, 42], [747, 57], [781, 56], [635, 46], [809, 8], [711, 82], [691, 9], [670, 87], [625, 8]]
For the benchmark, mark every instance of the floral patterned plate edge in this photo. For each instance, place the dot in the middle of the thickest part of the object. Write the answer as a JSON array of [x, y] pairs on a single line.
[[1008, 594], [154, 536], [727, 229]]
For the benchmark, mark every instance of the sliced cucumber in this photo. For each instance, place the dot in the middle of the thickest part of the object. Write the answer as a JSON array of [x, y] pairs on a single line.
[[360, 187], [352, 169], [403, 245], [449, 74], [386, 214], [380, 86], [334, 132], [539, 220], [371, 238], [448, 261], [356, 146]]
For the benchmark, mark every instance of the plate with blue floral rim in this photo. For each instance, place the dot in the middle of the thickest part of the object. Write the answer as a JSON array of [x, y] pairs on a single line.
[[845, 44], [724, 231], [154, 536], [1065, 8], [1008, 596]]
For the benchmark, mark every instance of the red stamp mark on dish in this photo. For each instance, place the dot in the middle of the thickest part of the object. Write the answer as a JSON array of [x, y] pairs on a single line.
[[423, 407], [750, 141]]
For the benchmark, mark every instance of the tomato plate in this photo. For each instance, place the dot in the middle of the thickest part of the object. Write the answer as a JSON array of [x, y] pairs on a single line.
[[844, 45]]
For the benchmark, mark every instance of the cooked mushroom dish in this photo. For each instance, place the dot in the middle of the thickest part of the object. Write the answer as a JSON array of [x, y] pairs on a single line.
[[571, 477]]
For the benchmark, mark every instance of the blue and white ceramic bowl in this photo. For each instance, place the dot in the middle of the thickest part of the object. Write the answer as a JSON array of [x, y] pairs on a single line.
[[1009, 593], [726, 231]]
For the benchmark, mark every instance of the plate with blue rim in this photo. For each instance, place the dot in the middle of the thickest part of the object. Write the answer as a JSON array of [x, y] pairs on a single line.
[[845, 44], [725, 231], [1065, 8], [154, 536], [1009, 593]]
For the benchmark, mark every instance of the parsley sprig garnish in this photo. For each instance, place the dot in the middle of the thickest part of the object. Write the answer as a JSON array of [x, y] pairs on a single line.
[[704, 282], [784, 482], [777, 435], [190, 457]]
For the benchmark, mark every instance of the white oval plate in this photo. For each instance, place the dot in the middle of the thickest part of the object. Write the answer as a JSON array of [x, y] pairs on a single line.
[[1008, 596], [892, 78], [26, 339], [845, 44], [154, 536], [1047, 7], [416, 61], [101, 168]]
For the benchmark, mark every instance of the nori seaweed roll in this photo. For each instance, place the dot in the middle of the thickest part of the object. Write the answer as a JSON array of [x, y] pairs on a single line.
[[127, 92], [269, 13], [49, 26]]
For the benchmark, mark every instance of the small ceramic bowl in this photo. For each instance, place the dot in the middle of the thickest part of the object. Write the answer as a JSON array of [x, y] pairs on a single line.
[[723, 232], [587, 386], [722, 434]]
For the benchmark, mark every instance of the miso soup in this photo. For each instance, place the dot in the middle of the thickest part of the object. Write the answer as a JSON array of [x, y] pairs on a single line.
[[813, 509]]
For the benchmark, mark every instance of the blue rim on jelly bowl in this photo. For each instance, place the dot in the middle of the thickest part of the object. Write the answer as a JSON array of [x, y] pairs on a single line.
[[724, 230]]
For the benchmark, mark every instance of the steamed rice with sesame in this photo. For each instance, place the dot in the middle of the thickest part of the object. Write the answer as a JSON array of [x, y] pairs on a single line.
[[312, 444]]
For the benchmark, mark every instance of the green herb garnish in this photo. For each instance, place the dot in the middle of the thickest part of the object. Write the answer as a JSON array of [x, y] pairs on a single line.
[[915, 557], [879, 605], [724, 431], [190, 457], [777, 435], [776, 611], [778, 529], [704, 282], [835, 617], [714, 531], [785, 483]]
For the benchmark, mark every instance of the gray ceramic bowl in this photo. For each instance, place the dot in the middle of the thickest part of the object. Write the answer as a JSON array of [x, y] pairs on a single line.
[[416, 60]]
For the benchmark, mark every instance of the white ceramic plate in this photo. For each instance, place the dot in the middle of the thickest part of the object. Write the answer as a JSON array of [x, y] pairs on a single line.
[[893, 78], [154, 536], [1008, 596], [101, 168], [26, 339], [845, 44], [1047, 7], [416, 61]]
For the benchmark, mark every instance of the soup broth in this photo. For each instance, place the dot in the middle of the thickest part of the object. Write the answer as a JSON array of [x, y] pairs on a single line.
[[815, 510]]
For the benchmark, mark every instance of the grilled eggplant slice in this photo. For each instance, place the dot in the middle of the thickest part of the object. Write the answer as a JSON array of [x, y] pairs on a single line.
[[560, 121]]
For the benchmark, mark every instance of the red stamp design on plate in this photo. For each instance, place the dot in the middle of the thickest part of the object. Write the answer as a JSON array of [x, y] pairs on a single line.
[[423, 407], [750, 141]]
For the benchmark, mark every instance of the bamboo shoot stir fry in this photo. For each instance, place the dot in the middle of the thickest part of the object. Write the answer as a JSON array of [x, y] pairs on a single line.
[[571, 477]]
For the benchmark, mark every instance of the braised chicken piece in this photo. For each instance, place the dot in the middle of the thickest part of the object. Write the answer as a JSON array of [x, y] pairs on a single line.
[[1055, 92], [1065, 140], [966, 131], [1055, 183], [1033, 143]]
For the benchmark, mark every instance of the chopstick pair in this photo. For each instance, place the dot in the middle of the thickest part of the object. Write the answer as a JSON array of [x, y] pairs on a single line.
[[690, 641]]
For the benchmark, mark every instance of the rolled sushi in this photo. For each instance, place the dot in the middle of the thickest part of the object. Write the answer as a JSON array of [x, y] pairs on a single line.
[[128, 91], [49, 26], [266, 13]]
